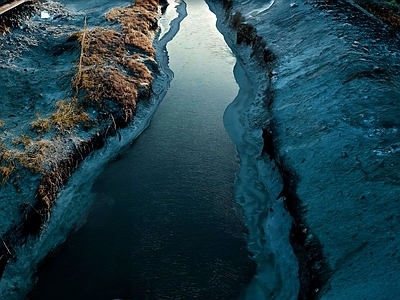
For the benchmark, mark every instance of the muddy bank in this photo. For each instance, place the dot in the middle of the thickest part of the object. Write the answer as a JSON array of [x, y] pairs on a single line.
[[63, 113]]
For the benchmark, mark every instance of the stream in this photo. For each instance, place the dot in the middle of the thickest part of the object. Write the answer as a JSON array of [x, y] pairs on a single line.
[[268, 172], [164, 223]]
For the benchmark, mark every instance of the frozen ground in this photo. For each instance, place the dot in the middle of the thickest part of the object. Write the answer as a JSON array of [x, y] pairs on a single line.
[[331, 127]]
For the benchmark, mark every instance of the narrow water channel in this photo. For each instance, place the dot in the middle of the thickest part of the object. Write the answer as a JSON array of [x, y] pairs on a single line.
[[163, 224]]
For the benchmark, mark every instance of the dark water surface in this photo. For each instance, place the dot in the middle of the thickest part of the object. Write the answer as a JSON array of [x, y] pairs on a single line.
[[163, 224]]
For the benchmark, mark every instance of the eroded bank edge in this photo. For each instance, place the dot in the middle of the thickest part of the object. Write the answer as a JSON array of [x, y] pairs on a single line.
[[314, 271]]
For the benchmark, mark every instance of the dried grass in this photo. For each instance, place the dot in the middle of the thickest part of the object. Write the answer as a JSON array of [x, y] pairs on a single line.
[[138, 22], [101, 48], [122, 89], [140, 41], [41, 125], [138, 70], [7, 165], [38, 155], [68, 115], [106, 68], [103, 44], [4, 29], [149, 5], [33, 156], [30, 157], [6, 172], [142, 16], [23, 140]]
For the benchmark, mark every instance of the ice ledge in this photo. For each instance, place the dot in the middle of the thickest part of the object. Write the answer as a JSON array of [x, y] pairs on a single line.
[[332, 130]]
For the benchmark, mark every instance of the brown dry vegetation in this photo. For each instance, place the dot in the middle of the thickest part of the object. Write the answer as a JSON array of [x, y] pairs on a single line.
[[104, 67], [4, 29], [140, 41], [107, 69], [41, 125], [6, 171], [68, 115], [33, 155], [138, 70], [142, 16], [7, 164], [36, 155], [138, 23]]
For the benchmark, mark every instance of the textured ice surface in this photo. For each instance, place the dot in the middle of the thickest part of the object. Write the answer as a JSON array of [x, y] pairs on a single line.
[[258, 182], [335, 119]]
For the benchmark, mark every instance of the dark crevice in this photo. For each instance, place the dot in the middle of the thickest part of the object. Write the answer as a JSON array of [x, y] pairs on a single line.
[[268, 142], [314, 271]]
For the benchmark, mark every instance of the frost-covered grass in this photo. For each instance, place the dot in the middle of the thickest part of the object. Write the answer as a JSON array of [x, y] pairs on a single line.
[[105, 70], [67, 87]]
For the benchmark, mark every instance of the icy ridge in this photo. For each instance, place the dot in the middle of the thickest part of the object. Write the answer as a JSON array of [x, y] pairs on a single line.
[[334, 131], [258, 184]]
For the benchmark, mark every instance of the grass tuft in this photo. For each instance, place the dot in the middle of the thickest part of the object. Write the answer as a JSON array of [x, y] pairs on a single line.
[[41, 125], [7, 165], [6, 172], [68, 115], [111, 66], [106, 68]]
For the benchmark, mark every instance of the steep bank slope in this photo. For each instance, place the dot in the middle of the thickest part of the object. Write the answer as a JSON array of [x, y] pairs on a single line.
[[331, 128]]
